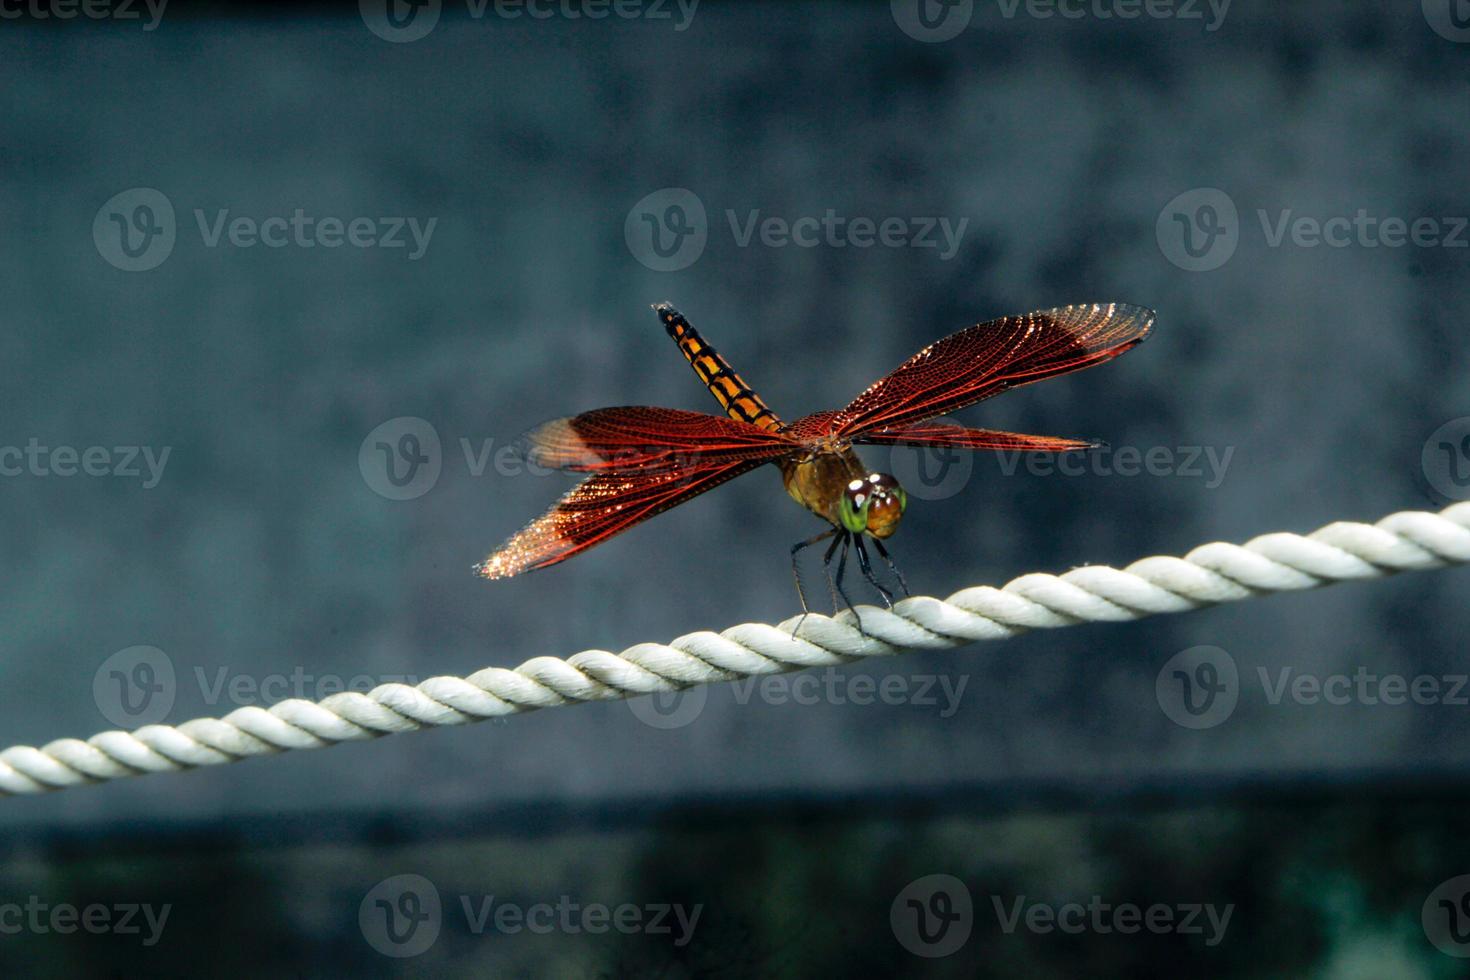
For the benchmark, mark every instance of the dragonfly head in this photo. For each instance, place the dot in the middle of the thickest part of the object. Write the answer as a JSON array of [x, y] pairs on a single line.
[[873, 504]]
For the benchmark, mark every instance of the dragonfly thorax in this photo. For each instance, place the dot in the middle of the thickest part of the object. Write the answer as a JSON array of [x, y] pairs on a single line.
[[839, 488]]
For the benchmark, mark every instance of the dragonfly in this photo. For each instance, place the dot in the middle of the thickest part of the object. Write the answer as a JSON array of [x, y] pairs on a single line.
[[640, 461]]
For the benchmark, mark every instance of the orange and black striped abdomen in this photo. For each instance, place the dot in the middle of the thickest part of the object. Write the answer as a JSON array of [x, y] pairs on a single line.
[[733, 394]]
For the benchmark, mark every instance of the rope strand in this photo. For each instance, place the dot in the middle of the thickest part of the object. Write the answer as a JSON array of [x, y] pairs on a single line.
[[1210, 574]]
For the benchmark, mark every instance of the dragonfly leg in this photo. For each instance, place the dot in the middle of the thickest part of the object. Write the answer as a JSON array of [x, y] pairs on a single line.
[[867, 568], [896, 573], [836, 583], [827, 565], [796, 571]]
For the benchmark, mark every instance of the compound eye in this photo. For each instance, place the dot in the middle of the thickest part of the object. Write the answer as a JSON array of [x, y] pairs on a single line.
[[882, 482], [854, 506]]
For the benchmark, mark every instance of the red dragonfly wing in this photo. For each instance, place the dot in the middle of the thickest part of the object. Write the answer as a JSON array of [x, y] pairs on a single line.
[[642, 461], [603, 505], [992, 357], [643, 438], [939, 435]]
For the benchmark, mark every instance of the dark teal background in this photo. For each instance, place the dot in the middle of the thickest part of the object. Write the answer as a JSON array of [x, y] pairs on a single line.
[[263, 551]]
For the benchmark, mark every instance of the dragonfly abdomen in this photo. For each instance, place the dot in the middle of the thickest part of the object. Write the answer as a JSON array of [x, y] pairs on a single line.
[[737, 398]]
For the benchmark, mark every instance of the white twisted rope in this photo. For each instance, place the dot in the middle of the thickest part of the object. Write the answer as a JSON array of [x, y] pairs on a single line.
[[1211, 573]]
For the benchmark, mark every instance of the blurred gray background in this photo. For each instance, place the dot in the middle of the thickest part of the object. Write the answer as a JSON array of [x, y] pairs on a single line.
[[1075, 152]]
